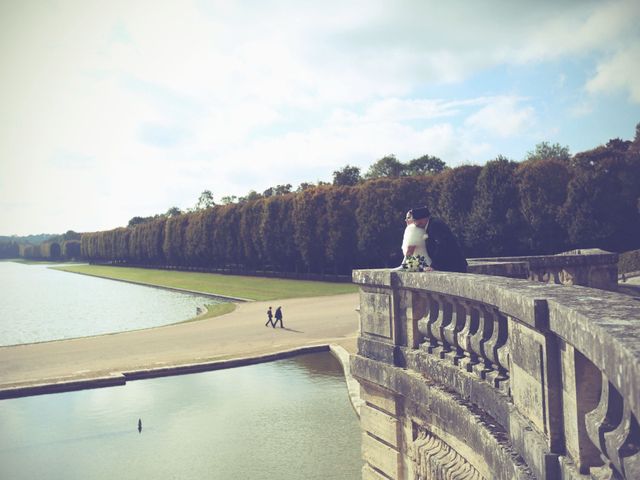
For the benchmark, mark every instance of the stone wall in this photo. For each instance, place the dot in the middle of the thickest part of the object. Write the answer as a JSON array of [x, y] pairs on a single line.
[[477, 376], [588, 267]]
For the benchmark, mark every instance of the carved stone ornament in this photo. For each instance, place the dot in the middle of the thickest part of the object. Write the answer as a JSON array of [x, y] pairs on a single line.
[[435, 460]]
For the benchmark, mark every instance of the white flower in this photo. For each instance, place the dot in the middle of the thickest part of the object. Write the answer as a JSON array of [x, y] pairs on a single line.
[[415, 263]]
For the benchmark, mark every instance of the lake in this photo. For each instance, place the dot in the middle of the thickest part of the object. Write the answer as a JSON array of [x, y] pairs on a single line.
[[289, 419], [40, 304]]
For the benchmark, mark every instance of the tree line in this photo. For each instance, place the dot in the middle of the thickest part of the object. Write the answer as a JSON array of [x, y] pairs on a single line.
[[38, 247], [548, 203]]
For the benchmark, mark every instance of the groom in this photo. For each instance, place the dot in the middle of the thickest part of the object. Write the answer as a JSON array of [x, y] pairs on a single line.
[[442, 245]]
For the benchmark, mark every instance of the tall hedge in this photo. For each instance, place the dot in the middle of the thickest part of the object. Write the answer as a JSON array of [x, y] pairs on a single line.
[[541, 206]]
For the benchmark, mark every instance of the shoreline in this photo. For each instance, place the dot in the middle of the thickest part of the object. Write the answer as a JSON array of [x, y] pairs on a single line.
[[114, 379], [163, 287], [234, 339]]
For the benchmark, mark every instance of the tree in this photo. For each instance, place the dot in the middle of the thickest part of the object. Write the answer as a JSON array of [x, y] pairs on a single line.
[[138, 220], [602, 195], [455, 199], [545, 151], [304, 186], [276, 233], [425, 165], [205, 200], [347, 176], [495, 224], [229, 199], [542, 187], [387, 166], [277, 190], [173, 211], [341, 247], [250, 197]]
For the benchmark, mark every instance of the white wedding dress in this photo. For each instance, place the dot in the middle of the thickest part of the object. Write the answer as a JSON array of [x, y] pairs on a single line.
[[416, 236]]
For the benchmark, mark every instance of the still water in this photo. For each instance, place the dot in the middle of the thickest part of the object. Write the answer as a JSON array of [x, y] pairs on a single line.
[[289, 419], [39, 304]]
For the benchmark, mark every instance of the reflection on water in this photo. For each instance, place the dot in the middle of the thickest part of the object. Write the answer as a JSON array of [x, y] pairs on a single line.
[[39, 304], [289, 419]]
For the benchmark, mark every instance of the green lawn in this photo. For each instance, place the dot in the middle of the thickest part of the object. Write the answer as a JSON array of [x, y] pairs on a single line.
[[214, 310], [254, 288]]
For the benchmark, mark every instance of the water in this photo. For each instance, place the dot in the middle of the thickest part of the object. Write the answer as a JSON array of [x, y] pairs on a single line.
[[40, 304], [289, 419]]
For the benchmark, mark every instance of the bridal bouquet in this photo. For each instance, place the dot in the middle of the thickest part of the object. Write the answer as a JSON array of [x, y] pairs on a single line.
[[415, 263]]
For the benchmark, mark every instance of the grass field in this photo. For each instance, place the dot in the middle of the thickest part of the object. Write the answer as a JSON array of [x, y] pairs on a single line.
[[253, 288]]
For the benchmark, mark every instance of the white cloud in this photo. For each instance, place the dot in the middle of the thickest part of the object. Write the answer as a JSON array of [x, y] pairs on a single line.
[[122, 108], [621, 72], [503, 117]]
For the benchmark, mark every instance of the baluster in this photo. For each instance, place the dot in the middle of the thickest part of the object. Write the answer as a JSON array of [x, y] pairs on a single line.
[[496, 349], [613, 429], [466, 335], [445, 315], [485, 329], [452, 331], [425, 324], [623, 445]]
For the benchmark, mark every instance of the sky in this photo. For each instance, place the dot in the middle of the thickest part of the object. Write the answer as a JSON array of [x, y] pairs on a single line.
[[110, 110]]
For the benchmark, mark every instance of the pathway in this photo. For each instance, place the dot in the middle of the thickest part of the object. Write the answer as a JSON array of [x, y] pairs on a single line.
[[92, 361]]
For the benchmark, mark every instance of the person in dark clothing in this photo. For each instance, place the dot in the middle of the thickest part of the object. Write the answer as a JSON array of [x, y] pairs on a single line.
[[442, 246], [278, 317], [270, 318]]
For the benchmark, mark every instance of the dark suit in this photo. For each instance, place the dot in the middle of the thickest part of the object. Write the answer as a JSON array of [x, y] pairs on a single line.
[[443, 248]]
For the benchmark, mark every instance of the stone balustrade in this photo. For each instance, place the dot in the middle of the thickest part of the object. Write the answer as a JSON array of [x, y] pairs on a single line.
[[587, 267], [478, 376]]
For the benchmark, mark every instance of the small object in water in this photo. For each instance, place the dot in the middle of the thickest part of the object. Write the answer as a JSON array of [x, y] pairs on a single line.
[[139, 425]]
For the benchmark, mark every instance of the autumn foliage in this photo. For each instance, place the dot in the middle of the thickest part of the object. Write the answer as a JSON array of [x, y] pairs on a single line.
[[539, 206]]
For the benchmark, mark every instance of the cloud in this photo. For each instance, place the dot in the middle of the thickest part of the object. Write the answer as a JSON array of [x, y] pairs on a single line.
[[127, 108], [620, 72], [503, 117]]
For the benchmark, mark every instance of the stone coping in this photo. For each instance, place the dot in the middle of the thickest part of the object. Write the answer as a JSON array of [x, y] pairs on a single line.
[[604, 326], [518, 298], [593, 256]]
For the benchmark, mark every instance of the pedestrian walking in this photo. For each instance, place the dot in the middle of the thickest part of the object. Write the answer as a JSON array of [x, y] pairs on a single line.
[[270, 318], [278, 317]]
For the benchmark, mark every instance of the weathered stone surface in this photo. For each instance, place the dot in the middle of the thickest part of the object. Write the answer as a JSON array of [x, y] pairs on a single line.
[[375, 314], [591, 268], [379, 397], [520, 379], [369, 473], [380, 456], [380, 425], [444, 412], [605, 328]]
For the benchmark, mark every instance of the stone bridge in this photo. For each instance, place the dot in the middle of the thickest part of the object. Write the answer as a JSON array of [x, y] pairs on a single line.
[[478, 376]]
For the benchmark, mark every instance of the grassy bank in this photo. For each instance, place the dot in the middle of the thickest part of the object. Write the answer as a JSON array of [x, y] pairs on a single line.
[[254, 288], [214, 310]]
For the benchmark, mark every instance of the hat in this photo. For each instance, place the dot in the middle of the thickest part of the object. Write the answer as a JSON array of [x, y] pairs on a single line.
[[420, 212]]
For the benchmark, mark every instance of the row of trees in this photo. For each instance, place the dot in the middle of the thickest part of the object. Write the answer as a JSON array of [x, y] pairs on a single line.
[[49, 247], [52, 250], [549, 203]]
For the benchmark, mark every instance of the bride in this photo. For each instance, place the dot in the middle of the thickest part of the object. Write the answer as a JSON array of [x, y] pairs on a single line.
[[414, 239]]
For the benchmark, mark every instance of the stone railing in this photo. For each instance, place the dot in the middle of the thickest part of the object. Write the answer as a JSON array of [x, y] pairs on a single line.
[[588, 267], [477, 376]]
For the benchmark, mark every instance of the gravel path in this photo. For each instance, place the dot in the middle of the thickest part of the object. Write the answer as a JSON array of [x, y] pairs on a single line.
[[236, 338]]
